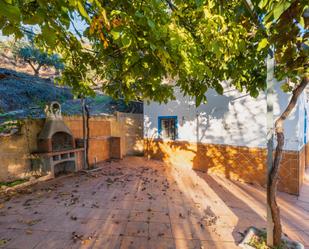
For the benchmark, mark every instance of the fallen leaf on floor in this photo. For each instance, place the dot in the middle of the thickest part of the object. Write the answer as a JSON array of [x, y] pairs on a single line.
[[64, 193], [73, 217], [94, 205], [27, 202], [76, 237], [4, 241], [85, 241], [30, 222], [181, 215]]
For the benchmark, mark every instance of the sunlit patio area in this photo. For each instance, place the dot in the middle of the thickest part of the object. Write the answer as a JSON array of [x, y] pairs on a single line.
[[140, 203]]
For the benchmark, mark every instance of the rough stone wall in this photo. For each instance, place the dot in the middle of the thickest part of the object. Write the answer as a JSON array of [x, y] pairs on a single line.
[[234, 162]]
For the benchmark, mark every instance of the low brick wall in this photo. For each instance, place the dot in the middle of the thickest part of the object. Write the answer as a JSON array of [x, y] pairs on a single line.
[[15, 150], [302, 156], [307, 155], [234, 162], [131, 132], [99, 133]]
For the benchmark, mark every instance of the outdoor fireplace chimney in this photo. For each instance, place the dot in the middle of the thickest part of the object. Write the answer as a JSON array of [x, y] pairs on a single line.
[[55, 135]]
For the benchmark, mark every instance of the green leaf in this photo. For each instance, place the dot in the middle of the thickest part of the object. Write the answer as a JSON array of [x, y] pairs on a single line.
[[199, 3], [199, 99], [8, 30], [139, 14], [35, 19], [280, 8], [208, 71], [219, 89], [152, 46], [115, 12], [286, 87], [82, 11], [49, 35], [262, 44], [10, 11], [254, 93], [151, 24], [126, 41], [263, 3], [115, 34], [302, 22]]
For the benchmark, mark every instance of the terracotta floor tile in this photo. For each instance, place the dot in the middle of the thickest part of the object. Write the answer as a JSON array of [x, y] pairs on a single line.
[[162, 217], [111, 227], [187, 244], [134, 243], [89, 213], [162, 243], [182, 230], [160, 230], [26, 239], [108, 242], [137, 229], [141, 206], [161, 206], [140, 216], [55, 240], [217, 245], [118, 214]]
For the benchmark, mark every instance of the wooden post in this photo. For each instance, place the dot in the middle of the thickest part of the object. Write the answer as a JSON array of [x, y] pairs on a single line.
[[270, 62], [85, 134]]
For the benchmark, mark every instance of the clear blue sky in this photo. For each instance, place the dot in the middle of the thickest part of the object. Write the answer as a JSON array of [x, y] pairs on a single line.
[[78, 23]]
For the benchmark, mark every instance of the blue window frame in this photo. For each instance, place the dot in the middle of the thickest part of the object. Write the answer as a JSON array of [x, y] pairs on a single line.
[[168, 127]]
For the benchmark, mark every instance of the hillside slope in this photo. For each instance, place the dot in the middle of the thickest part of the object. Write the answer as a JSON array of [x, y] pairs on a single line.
[[23, 95], [21, 90]]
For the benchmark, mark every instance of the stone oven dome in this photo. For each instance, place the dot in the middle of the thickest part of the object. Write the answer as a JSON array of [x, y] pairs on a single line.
[[53, 126]]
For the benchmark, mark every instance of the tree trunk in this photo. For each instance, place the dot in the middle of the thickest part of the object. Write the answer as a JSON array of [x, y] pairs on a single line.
[[36, 70], [274, 173]]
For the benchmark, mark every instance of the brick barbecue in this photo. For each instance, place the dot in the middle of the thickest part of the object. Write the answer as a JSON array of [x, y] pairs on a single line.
[[56, 145]]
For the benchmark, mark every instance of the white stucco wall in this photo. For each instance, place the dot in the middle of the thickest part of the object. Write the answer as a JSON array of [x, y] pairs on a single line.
[[233, 118], [302, 106]]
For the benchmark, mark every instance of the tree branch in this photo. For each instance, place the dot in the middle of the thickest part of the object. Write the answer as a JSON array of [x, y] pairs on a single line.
[[295, 94], [171, 5]]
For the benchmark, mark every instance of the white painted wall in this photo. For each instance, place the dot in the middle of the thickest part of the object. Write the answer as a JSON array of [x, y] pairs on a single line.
[[233, 118], [302, 106]]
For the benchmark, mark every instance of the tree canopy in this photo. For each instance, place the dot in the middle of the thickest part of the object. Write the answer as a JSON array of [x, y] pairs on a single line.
[[37, 58], [134, 45]]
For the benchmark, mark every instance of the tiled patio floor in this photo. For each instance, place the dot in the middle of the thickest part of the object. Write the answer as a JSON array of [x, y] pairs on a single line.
[[137, 203]]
